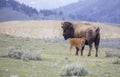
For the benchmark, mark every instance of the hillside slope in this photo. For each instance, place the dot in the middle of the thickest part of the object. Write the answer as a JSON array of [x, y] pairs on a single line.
[[107, 11], [7, 14], [93, 10], [13, 10]]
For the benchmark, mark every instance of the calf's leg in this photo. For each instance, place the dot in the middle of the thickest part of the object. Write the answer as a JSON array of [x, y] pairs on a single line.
[[82, 50], [70, 48], [77, 49]]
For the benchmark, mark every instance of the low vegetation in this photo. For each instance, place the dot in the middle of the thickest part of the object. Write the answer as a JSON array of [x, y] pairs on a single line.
[[116, 61], [74, 69], [29, 56], [26, 57], [16, 53], [110, 54]]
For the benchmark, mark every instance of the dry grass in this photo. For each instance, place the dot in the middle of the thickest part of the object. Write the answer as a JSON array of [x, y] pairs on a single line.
[[50, 29], [34, 29]]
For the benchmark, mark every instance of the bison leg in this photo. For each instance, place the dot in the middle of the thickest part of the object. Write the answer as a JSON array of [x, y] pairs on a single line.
[[82, 50], [97, 40], [90, 46], [77, 49], [96, 47]]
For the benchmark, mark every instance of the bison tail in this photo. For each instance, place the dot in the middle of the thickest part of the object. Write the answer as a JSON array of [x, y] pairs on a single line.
[[98, 30]]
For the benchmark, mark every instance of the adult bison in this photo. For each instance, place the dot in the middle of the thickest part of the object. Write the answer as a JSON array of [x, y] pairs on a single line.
[[78, 30]]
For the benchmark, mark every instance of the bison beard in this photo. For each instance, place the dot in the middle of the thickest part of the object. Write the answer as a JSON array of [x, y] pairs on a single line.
[[91, 33]]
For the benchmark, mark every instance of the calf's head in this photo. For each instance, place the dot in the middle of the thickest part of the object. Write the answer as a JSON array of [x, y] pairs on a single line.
[[68, 30]]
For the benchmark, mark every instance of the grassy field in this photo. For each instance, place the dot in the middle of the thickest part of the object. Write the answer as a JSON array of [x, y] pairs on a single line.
[[50, 29], [54, 57]]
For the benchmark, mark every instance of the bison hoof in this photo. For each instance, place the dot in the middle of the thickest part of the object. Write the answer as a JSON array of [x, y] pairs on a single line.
[[96, 55], [81, 54], [77, 54], [89, 55]]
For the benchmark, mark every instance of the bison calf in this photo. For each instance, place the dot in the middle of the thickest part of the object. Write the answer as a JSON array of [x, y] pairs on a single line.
[[78, 43]]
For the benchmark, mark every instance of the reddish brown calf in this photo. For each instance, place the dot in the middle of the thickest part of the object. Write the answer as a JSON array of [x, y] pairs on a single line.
[[77, 42]]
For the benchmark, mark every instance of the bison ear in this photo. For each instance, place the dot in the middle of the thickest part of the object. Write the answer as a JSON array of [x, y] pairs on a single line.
[[62, 23]]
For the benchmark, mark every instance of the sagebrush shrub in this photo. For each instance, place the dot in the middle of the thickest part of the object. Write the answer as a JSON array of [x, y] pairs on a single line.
[[116, 61], [110, 54], [74, 70], [15, 54], [38, 56], [26, 56], [29, 56], [118, 55]]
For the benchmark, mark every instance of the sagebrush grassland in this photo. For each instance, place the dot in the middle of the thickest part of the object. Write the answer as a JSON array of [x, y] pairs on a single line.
[[54, 57], [53, 53]]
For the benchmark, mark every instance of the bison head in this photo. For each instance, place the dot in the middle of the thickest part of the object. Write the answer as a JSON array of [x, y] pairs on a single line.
[[68, 30]]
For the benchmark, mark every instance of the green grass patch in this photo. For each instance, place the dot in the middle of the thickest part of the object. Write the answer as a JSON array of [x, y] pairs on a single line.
[[54, 57]]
